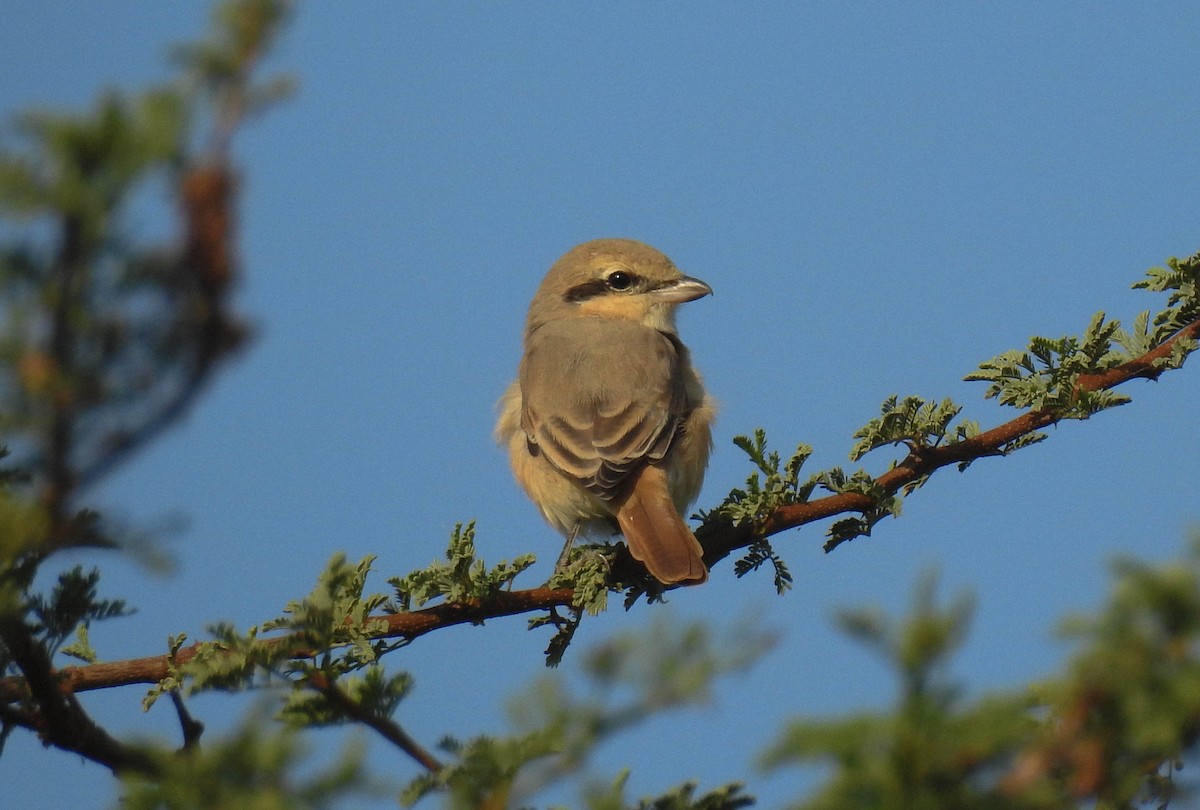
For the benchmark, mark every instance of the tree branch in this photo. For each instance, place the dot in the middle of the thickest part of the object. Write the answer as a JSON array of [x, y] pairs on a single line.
[[388, 728], [188, 725], [410, 625], [719, 540], [206, 270], [61, 720]]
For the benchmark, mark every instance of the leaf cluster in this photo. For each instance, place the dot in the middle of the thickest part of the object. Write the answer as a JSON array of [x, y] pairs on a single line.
[[331, 631], [1047, 374], [883, 504], [69, 609], [914, 422], [772, 485], [461, 578], [1181, 279], [588, 573]]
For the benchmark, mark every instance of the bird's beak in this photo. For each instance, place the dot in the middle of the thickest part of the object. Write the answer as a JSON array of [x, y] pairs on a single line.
[[681, 290]]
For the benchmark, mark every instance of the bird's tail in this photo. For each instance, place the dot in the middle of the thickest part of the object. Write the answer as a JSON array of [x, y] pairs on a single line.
[[657, 536]]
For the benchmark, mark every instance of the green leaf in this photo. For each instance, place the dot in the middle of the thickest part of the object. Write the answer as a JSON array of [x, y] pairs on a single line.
[[768, 488], [81, 648], [760, 552], [461, 578], [912, 421]]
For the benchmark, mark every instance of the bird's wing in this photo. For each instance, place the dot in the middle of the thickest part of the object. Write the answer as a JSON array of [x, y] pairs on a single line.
[[600, 398]]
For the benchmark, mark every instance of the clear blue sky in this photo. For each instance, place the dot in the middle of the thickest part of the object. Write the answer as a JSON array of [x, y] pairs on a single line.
[[881, 195]]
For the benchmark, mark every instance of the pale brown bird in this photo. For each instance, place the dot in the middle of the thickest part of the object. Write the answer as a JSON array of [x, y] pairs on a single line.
[[608, 425]]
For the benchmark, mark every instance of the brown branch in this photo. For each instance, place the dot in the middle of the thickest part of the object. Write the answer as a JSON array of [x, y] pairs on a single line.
[[14, 716], [410, 625], [201, 333], [719, 540], [388, 728]]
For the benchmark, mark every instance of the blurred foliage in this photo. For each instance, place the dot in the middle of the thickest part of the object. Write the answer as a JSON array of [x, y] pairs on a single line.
[[1110, 731], [628, 680], [254, 769], [108, 335]]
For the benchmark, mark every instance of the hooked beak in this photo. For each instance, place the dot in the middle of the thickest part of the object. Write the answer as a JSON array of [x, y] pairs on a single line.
[[682, 290]]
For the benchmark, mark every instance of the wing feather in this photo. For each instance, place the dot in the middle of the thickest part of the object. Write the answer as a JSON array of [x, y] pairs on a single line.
[[600, 398]]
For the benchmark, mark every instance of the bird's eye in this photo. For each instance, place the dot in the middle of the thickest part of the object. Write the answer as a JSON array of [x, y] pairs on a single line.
[[620, 280]]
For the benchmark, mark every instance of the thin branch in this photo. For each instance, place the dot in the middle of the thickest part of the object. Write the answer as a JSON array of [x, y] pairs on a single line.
[[388, 728], [410, 625], [190, 726], [69, 268], [208, 262]]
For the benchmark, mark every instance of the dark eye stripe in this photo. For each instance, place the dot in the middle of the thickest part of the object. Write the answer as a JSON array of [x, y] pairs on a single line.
[[589, 289], [618, 281]]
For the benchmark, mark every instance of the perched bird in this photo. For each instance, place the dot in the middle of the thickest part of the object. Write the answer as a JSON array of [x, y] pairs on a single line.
[[608, 425]]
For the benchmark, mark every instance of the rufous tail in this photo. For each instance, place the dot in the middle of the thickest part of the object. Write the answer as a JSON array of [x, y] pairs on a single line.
[[657, 536]]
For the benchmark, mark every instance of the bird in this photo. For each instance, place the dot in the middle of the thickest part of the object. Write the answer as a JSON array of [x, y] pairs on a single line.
[[608, 424]]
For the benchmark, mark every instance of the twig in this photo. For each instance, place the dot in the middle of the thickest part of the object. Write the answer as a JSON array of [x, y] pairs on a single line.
[[191, 727], [208, 263], [388, 728], [67, 273]]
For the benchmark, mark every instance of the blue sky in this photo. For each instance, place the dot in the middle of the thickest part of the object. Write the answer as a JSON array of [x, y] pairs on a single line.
[[881, 196]]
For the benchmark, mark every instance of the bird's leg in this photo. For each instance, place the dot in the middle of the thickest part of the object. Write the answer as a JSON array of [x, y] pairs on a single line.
[[565, 556]]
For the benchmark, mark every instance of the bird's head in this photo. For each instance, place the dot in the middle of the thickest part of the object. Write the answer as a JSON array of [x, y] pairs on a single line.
[[614, 278]]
